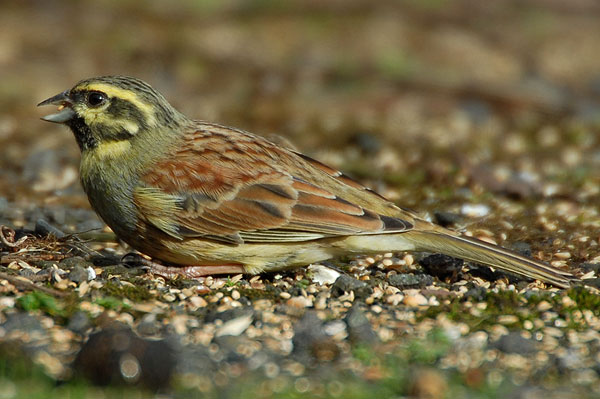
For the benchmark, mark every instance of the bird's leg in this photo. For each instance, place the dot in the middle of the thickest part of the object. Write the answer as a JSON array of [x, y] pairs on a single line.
[[170, 272]]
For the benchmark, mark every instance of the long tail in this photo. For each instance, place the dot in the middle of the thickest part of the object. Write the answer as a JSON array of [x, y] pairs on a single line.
[[475, 250]]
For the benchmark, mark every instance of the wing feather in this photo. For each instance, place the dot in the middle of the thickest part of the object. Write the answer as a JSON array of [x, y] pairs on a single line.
[[237, 190]]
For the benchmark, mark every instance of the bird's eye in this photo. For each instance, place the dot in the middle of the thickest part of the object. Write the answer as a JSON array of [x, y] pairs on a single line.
[[95, 99]]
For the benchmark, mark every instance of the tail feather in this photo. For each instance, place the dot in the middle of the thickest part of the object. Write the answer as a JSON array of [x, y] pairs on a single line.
[[475, 250]]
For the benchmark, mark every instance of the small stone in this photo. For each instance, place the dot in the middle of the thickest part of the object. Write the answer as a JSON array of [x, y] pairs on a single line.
[[513, 342], [78, 274], [522, 248], [410, 280], [475, 210], [69, 263], [310, 340], [115, 354], [544, 306], [359, 327], [321, 302], [508, 319], [428, 384], [345, 284], [592, 282], [394, 299], [441, 266], [235, 327], [21, 322], [91, 273], [169, 297], [563, 255], [79, 322], [415, 300], [588, 267], [446, 219], [43, 228], [299, 302], [148, 326], [198, 301]]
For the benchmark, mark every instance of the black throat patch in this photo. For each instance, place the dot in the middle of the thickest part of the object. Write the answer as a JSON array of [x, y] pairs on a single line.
[[83, 134]]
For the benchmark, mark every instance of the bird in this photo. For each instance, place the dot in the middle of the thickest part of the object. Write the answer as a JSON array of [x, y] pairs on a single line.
[[200, 198]]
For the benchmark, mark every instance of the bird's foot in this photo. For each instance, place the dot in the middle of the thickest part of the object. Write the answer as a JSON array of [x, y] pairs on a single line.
[[171, 272]]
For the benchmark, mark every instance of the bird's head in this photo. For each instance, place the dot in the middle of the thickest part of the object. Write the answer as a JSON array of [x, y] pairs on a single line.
[[111, 109]]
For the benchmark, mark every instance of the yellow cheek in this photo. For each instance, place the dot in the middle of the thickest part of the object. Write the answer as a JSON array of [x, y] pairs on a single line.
[[92, 117], [112, 149], [95, 159]]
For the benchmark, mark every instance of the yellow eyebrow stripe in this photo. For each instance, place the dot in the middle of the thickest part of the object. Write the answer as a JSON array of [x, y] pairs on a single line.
[[124, 94]]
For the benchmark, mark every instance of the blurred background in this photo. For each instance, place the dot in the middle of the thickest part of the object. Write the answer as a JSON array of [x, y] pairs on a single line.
[[486, 112], [409, 96]]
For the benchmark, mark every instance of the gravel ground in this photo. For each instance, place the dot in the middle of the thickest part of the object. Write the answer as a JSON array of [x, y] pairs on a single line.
[[484, 117], [399, 324]]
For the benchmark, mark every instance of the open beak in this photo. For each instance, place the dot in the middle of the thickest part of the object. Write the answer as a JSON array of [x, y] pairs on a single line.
[[65, 110]]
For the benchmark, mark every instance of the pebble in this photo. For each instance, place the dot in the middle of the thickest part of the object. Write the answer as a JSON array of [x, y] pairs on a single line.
[[544, 306], [394, 299], [446, 219], [78, 274], [387, 262], [115, 354], [513, 342], [441, 266], [235, 327], [428, 384], [310, 340], [415, 300], [285, 295], [359, 327], [299, 302], [344, 284], [409, 280], [169, 297], [475, 210], [507, 319], [563, 255], [553, 332]]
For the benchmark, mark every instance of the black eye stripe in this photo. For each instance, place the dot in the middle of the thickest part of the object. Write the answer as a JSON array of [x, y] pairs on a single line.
[[125, 109]]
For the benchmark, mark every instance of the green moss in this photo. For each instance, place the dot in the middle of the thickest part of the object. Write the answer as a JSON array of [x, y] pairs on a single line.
[[38, 300], [584, 299], [253, 294], [303, 284], [524, 308], [431, 349], [110, 302], [135, 292], [230, 283]]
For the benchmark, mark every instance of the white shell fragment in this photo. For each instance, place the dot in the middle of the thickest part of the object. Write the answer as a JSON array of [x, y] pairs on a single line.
[[322, 275], [475, 210], [235, 327], [91, 273]]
